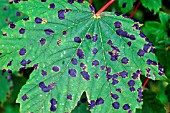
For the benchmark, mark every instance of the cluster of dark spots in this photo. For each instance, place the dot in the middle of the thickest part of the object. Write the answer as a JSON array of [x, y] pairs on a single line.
[[25, 62], [48, 31], [77, 39], [12, 25], [92, 104], [95, 63], [80, 53], [53, 101], [9, 63], [70, 1], [92, 9], [88, 36], [24, 97], [123, 74], [69, 97], [126, 106], [124, 60], [22, 31], [94, 38], [42, 41], [117, 24], [114, 96], [139, 99], [114, 54], [151, 62], [96, 75], [116, 105], [56, 68], [61, 13], [85, 75], [72, 72], [45, 88], [43, 72], [18, 13], [122, 33], [52, 5], [161, 70]]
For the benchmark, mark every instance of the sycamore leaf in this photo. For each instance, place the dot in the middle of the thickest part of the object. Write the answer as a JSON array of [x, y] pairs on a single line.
[[126, 5], [72, 51], [6, 85], [154, 5]]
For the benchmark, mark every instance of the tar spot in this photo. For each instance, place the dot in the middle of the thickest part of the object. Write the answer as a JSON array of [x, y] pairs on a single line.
[[124, 5], [74, 61], [42, 41], [126, 107], [99, 101], [116, 105], [48, 31], [24, 97], [12, 25], [92, 104], [44, 73], [95, 63], [53, 101], [141, 52], [94, 51], [131, 82], [53, 108], [92, 9], [69, 97], [129, 43], [22, 51], [125, 60], [70, 1], [123, 74], [85, 75], [72, 72], [88, 36], [22, 31], [56, 68], [23, 62], [80, 53], [61, 15], [52, 5], [64, 33], [117, 24], [114, 96], [94, 38], [77, 39], [38, 20]]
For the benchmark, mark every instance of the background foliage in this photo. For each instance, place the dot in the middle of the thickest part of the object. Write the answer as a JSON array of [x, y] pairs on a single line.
[[155, 16]]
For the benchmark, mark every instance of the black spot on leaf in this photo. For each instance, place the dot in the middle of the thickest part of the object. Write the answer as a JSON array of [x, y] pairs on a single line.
[[22, 31], [117, 24], [53, 101], [95, 63], [124, 4], [131, 82], [42, 41], [99, 101], [38, 20], [124, 60], [123, 74], [80, 53], [92, 104], [94, 38], [48, 31], [56, 68], [116, 105], [77, 39], [114, 96], [72, 72], [69, 97], [74, 61], [12, 25], [53, 108], [24, 97], [22, 51], [85, 75], [94, 51], [88, 36], [126, 107], [43, 72], [70, 1], [61, 15], [52, 5]]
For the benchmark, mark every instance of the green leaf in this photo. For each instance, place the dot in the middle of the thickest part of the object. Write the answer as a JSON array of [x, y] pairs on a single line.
[[151, 104], [6, 86], [154, 5], [72, 51], [9, 13], [165, 19], [126, 5]]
